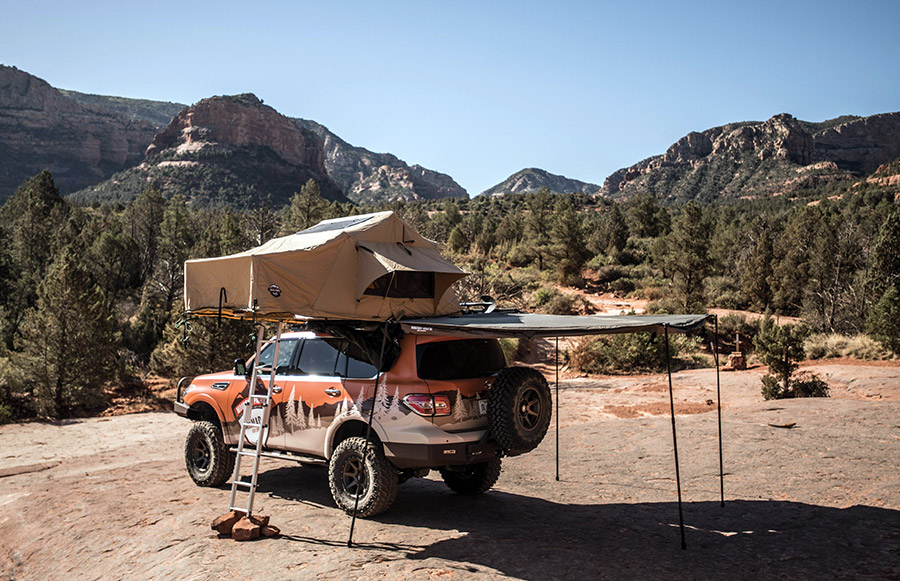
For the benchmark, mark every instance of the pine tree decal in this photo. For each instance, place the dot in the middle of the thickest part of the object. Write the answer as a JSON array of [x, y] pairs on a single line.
[[299, 415], [358, 406], [290, 408], [459, 411], [383, 404], [312, 418], [394, 411], [319, 421]]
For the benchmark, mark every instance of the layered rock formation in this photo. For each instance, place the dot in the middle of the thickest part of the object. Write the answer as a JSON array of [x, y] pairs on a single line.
[[754, 159], [532, 179], [231, 150], [365, 176], [225, 150], [40, 128], [159, 113]]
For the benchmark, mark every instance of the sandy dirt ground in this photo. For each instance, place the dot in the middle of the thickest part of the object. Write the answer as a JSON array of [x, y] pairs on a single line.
[[110, 498]]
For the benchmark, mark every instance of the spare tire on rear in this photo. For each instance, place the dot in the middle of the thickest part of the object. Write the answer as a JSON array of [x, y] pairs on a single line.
[[519, 409]]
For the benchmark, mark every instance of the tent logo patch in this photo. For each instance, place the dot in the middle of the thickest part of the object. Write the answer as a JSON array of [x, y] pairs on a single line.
[[275, 290]]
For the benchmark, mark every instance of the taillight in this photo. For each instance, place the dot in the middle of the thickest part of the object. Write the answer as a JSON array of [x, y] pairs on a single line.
[[428, 405]]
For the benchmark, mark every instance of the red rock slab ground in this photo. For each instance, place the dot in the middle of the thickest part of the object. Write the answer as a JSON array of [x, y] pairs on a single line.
[[109, 498]]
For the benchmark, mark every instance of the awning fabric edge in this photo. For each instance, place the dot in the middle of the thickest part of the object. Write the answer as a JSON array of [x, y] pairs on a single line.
[[527, 325]]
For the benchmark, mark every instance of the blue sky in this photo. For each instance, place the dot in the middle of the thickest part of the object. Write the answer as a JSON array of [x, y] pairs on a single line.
[[480, 90]]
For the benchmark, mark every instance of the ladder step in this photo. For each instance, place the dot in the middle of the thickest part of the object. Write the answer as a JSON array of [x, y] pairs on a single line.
[[259, 396], [246, 453], [250, 425], [242, 483]]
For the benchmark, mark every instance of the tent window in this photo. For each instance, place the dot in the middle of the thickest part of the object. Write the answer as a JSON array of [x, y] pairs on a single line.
[[403, 284]]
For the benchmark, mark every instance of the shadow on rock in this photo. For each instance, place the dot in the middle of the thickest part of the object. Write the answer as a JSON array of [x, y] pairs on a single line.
[[532, 538]]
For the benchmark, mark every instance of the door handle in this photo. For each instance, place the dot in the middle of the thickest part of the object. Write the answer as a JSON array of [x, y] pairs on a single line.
[[276, 389], [333, 392]]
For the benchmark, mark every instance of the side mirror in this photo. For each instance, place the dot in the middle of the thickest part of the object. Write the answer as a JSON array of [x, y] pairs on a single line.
[[240, 367]]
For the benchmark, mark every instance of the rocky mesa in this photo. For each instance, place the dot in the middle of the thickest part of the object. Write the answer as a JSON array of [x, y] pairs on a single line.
[[226, 151], [758, 159], [40, 128]]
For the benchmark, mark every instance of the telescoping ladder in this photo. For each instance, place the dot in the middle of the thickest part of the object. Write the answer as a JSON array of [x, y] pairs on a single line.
[[251, 423]]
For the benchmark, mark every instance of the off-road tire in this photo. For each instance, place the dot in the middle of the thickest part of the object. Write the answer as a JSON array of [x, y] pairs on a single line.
[[519, 409], [354, 463], [472, 479], [206, 455]]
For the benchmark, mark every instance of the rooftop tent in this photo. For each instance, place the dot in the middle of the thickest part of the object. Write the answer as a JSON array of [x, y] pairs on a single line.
[[368, 267]]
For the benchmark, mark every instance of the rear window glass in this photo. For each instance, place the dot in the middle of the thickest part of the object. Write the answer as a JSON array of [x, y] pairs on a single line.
[[462, 359], [319, 357]]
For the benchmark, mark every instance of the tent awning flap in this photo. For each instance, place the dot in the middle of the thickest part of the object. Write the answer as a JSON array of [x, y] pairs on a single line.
[[527, 325]]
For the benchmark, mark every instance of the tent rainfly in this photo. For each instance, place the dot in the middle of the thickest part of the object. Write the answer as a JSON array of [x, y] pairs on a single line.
[[369, 267]]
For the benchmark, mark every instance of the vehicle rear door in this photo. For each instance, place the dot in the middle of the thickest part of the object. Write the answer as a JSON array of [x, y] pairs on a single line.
[[313, 396]]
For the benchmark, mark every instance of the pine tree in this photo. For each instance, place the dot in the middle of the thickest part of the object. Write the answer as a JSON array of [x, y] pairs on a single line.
[[758, 272], [142, 221], [688, 255], [307, 209], [30, 218], [568, 241], [537, 224], [884, 321], [67, 343], [886, 251], [615, 230]]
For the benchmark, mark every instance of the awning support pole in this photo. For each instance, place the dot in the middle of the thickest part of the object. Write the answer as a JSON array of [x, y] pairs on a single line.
[[674, 437], [369, 428], [557, 409], [719, 405]]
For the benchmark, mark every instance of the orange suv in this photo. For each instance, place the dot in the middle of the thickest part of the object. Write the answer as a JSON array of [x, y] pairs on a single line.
[[449, 404]]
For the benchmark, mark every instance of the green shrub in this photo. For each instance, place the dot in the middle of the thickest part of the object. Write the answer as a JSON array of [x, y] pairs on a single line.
[[828, 345], [6, 414], [734, 323], [781, 346], [627, 352], [608, 274], [510, 348], [622, 285], [599, 261], [553, 302], [884, 321], [722, 291], [635, 352], [806, 384]]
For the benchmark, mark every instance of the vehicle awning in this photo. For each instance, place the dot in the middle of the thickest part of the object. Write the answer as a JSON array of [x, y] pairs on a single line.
[[527, 325]]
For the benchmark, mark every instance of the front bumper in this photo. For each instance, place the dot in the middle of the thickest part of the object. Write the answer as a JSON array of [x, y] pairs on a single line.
[[182, 409]]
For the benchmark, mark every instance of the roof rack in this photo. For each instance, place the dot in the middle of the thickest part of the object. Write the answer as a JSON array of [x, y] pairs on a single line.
[[487, 305]]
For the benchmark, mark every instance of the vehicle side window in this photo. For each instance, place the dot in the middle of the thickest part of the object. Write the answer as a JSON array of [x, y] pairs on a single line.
[[462, 359], [285, 356], [358, 366], [319, 357]]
